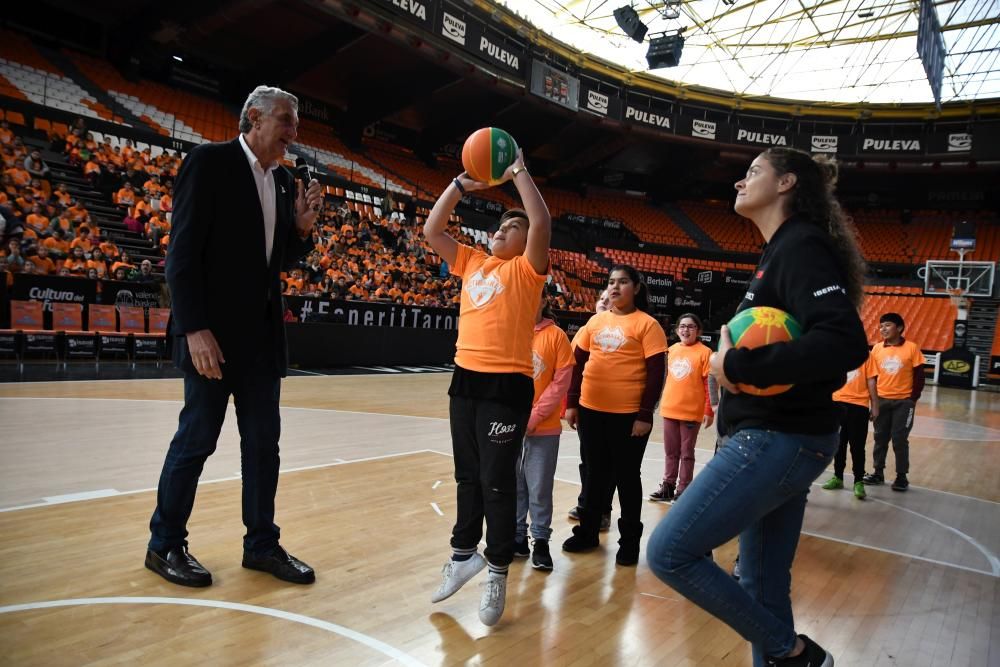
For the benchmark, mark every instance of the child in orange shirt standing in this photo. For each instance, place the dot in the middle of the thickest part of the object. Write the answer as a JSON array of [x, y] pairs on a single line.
[[900, 382], [492, 389], [616, 382], [685, 404], [552, 358], [854, 399]]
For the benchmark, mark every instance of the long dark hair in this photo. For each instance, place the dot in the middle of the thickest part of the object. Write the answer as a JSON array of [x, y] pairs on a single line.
[[812, 198], [642, 294]]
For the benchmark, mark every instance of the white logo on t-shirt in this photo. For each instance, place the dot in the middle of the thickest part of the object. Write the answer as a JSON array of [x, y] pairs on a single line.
[[852, 374], [482, 290], [680, 368], [610, 339], [537, 364], [891, 365]]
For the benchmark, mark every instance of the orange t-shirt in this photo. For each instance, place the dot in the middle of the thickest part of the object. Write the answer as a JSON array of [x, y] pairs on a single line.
[[684, 393], [615, 374], [44, 265], [855, 390], [895, 366], [550, 351], [497, 315]]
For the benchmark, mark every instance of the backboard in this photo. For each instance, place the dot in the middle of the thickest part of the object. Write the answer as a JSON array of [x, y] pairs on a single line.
[[948, 277]]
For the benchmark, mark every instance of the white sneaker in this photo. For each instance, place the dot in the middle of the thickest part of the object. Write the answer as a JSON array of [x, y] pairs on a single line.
[[456, 573], [494, 596]]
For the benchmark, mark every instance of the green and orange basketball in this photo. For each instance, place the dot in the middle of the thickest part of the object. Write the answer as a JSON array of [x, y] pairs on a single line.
[[758, 326], [487, 153]]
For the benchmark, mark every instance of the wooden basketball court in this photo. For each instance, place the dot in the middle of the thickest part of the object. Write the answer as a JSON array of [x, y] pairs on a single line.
[[367, 497]]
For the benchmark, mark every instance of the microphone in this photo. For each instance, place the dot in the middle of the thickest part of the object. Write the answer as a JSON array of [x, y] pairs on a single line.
[[302, 173]]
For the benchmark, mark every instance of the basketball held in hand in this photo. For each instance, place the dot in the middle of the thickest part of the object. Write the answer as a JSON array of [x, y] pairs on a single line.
[[487, 153], [763, 325]]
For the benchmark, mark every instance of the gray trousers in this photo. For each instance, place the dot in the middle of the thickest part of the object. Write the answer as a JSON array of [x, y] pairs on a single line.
[[894, 421], [536, 470]]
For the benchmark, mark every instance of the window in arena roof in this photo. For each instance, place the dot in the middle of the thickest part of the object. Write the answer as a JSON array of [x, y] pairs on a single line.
[[846, 51]]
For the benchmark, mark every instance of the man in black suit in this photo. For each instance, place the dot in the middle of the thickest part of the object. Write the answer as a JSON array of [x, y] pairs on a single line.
[[237, 215]]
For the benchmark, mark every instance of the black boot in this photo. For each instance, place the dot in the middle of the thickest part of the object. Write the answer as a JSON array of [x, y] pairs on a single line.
[[628, 543]]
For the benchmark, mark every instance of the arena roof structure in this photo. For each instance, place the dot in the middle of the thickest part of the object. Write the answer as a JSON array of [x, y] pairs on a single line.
[[841, 51]]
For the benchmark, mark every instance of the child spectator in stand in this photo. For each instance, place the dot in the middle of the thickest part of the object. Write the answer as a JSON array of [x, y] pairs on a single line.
[[900, 366], [552, 359], [684, 406]]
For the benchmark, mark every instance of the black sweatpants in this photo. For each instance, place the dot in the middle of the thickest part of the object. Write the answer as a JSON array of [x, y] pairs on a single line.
[[614, 460], [853, 432], [486, 437], [894, 421]]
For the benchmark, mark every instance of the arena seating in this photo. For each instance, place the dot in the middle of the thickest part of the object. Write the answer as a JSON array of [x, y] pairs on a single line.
[[666, 264], [728, 230], [928, 319]]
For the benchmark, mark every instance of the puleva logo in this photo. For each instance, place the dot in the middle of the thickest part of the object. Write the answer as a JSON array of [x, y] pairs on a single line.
[[610, 339], [680, 368], [483, 290]]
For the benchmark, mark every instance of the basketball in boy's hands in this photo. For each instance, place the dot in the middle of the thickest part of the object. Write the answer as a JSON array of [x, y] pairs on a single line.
[[763, 325], [487, 153]]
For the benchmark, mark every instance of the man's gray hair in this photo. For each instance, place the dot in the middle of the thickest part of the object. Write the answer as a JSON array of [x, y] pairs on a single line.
[[263, 98]]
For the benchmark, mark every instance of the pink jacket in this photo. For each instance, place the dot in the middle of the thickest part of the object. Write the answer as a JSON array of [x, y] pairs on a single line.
[[551, 399]]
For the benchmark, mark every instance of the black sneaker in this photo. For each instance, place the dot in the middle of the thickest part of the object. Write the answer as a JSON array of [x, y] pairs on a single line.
[[901, 483], [606, 522], [540, 557], [873, 479], [574, 514], [813, 655], [521, 549], [736, 569], [663, 494], [677, 496]]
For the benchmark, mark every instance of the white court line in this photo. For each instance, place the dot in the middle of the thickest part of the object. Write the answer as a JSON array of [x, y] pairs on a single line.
[[990, 556], [76, 497], [83, 495], [437, 509], [308, 373], [898, 553], [660, 597], [363, 639], [436, 484]]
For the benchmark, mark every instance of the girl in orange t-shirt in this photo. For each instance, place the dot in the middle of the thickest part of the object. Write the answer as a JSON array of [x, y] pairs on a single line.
[[492, 389], [616, 381], [552, 359], [683, 406]]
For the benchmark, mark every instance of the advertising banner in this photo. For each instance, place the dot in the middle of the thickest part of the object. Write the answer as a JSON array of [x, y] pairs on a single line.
[[32, 287], [371, 314]]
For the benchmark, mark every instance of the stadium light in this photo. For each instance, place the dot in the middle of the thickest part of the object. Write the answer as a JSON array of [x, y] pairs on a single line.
[[665, 50], [630, 23]]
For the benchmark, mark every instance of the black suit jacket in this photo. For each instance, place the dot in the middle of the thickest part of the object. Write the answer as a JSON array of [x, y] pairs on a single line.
[[217, 268]]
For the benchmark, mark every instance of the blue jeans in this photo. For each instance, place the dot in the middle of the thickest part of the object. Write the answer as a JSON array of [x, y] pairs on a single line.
[[255, 393], [754, 487], [536, 470]]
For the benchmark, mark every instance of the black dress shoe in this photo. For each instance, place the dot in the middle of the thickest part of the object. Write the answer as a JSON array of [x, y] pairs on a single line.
[[178, 566], [281, 564]]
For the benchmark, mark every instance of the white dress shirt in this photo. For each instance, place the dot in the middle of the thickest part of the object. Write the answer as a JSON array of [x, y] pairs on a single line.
[[264, 178]]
